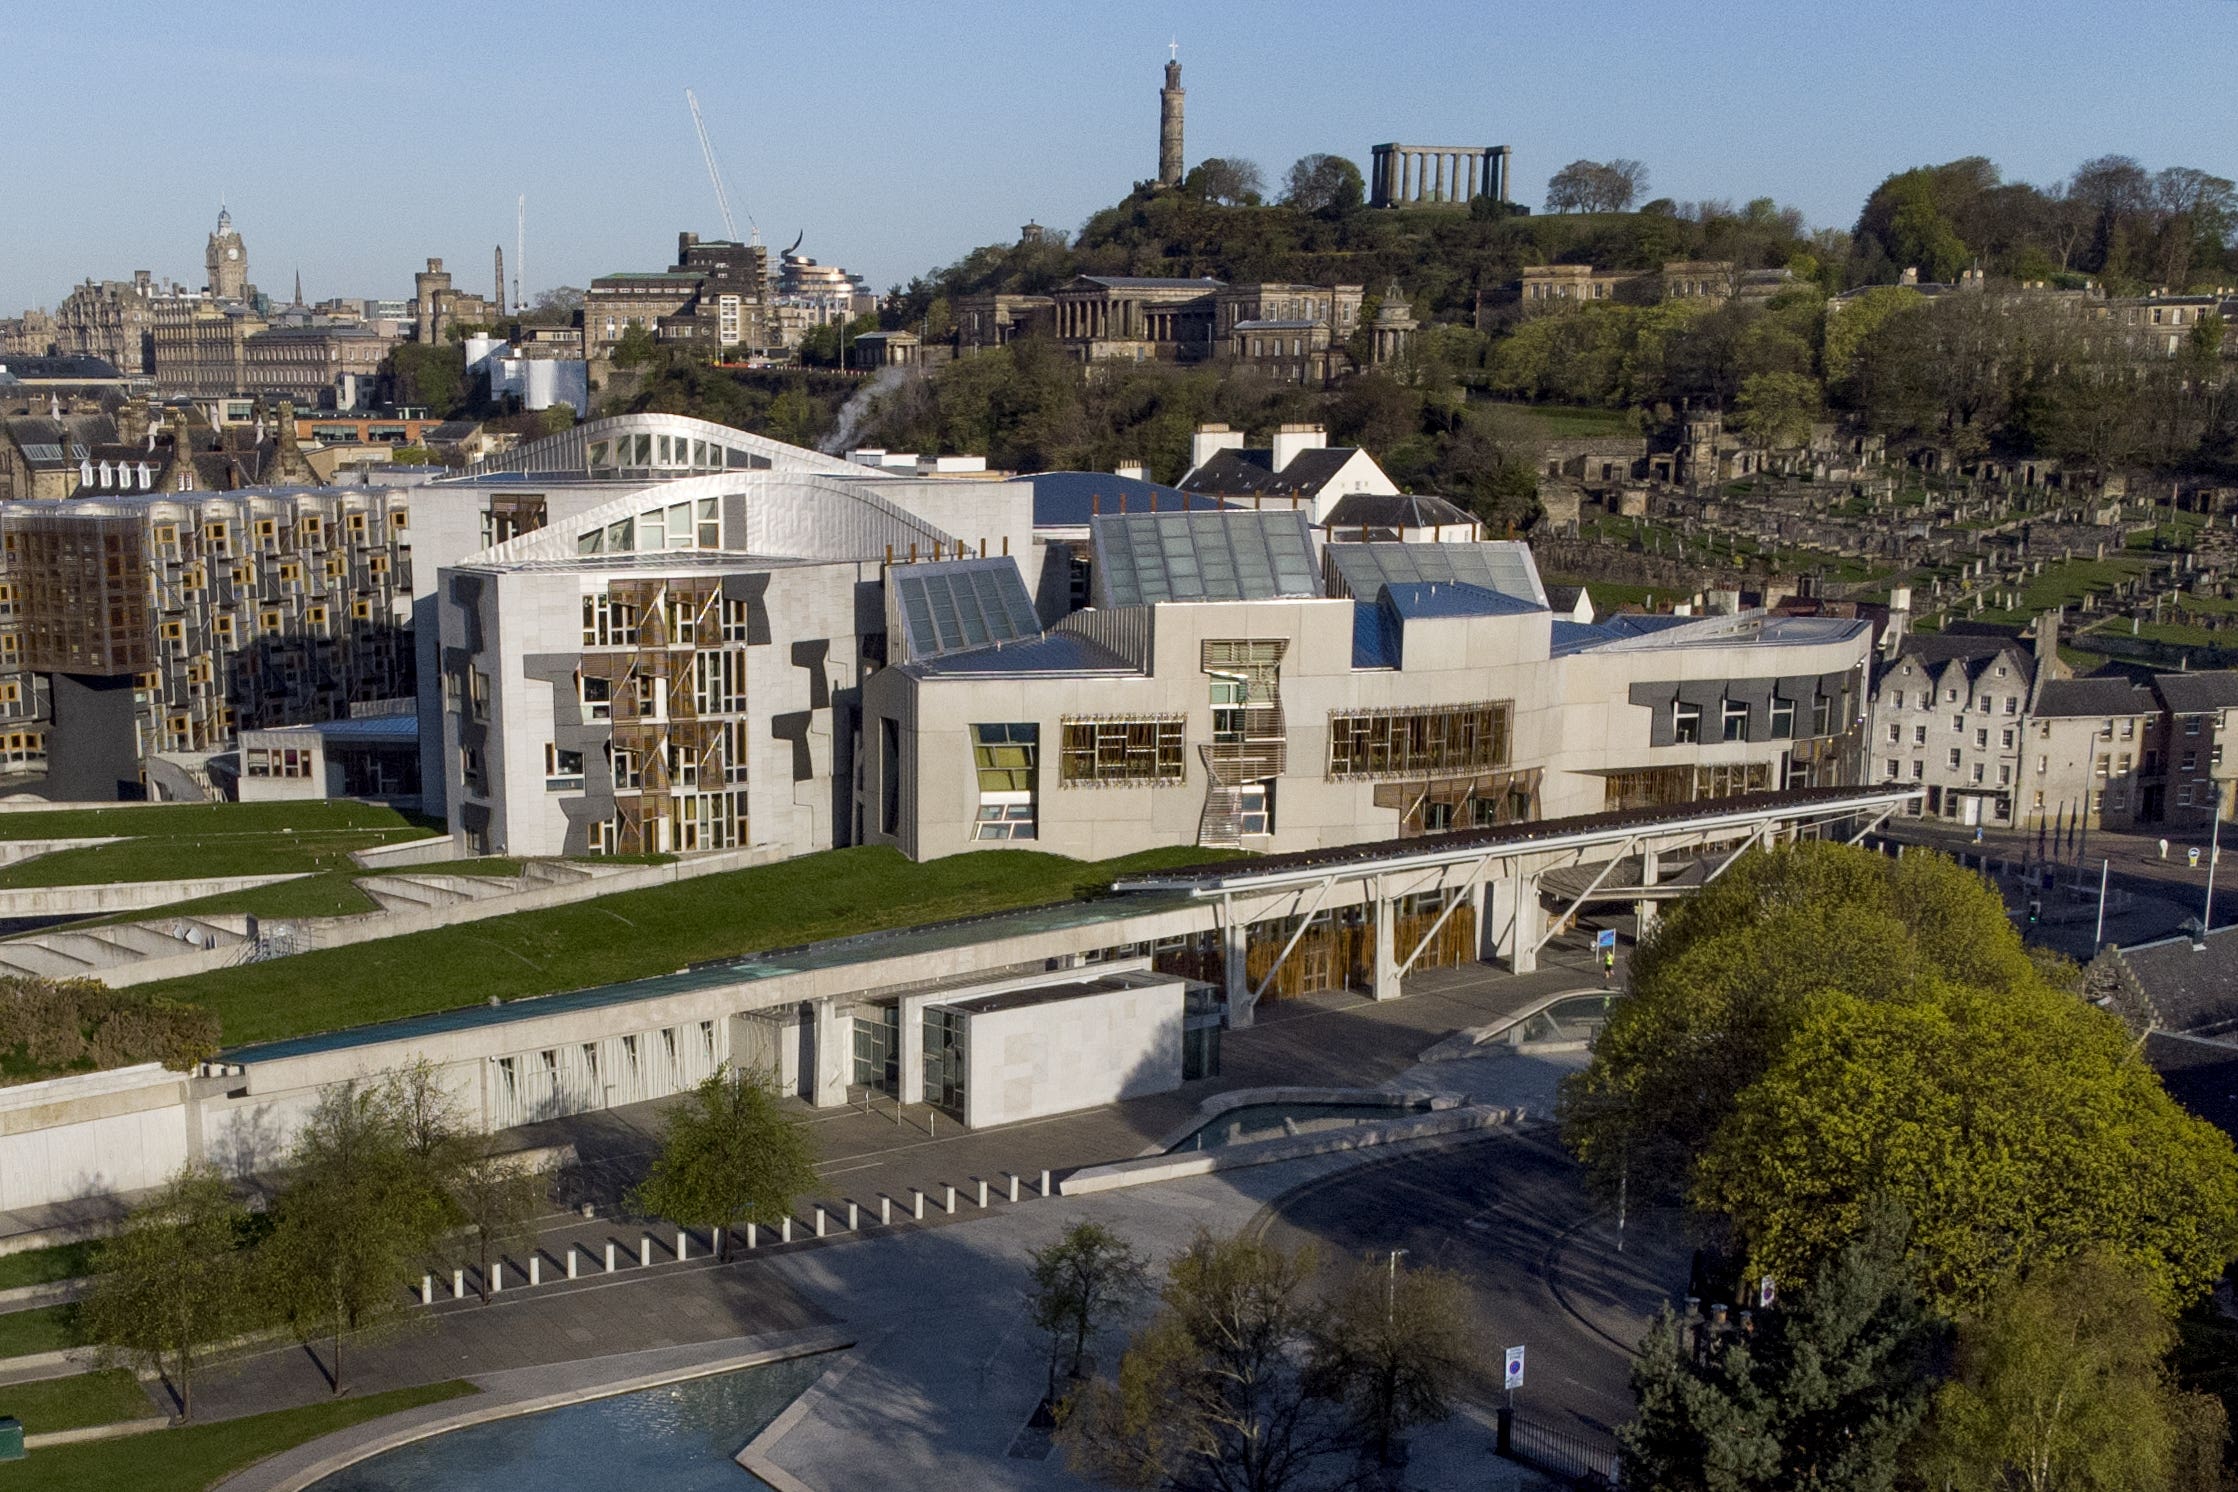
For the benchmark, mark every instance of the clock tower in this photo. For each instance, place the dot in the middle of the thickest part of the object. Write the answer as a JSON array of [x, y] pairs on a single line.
[[227, 259]]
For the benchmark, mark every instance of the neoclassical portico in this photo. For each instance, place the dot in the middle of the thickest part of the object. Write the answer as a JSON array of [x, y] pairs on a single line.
[[1414, 175]]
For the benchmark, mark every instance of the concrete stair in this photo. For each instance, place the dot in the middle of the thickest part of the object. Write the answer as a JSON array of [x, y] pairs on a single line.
[[82, 953], [420, 891]]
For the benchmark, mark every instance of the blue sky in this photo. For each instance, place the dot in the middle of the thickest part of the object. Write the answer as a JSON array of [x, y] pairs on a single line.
[[355, 141]]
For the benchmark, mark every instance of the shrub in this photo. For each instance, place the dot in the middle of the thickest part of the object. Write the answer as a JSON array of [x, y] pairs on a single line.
[[50, 1026]]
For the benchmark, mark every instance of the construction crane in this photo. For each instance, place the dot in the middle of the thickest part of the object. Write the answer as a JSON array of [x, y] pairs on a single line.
[[715, 175]]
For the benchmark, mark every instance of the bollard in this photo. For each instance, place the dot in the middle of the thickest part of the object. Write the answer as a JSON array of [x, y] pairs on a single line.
[[919, 1202], [819, 1222], [427, 1289], [951, 1201], [571, 1252], [609, 1256], [645, 1250], [885, 1210], [536, 1267], [1013, 1186], [852, 1223], [785, 1229], [458, 1284], [1045, 1182], [683, 1245], [753, 1236], [497, 1276]]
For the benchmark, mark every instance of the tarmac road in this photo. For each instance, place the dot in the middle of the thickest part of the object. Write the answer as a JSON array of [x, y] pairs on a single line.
[[1511, 1215]]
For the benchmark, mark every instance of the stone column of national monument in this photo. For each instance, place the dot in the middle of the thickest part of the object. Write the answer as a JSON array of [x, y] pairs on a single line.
[[1169, 126]]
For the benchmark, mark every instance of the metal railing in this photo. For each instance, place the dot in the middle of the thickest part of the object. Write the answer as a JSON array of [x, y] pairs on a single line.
[[1557, 1451]]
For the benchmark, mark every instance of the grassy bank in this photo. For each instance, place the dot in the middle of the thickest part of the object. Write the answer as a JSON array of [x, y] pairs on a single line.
[[198, 1456], [634, 934]]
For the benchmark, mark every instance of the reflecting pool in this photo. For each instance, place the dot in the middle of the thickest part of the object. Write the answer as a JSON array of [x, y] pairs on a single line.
[[681, 1437]]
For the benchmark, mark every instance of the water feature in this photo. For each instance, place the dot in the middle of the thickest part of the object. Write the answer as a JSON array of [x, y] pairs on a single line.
[[680, 1437], [1272, 1121]]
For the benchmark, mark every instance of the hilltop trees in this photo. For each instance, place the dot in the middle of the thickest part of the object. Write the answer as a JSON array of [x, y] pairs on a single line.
[[1596, 186], [1327, 186]]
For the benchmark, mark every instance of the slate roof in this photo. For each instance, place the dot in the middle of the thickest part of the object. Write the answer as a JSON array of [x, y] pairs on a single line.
[[2191, 693], [1251, 473], [2193, 990], [2095, 696], [2200, 1075], [63, 368]]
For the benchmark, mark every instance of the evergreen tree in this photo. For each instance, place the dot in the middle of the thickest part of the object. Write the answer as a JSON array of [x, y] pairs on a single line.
[[1819, 1394]]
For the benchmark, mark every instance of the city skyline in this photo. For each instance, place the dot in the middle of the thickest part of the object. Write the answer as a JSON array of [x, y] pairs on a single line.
[[894, 167]]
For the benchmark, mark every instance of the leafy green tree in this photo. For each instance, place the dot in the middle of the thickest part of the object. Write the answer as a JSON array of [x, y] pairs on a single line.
[[1859, 317], [352, 1224], [2060, 1387], [175, 1283], [1327, 186], [1778, 409], [1720, 984], [1231, 183], [2016, 1126], [494, 1201], [1596, 186], [728, 1157], [431, 375], [1214, 1395], [635, 347], [1818, 1395], [1080, 1283], [1395, 1349]]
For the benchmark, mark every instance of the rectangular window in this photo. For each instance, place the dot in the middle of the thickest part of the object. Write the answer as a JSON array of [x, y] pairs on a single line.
[[2004, 774], [1686, 724], [1735, 720], [1919, 768], [2005, 739], [2012, 704], [1953, 759], [1822, 716], [2191, 725], [1981, 740], [1895, 769], [1898, 700], [1449, 741], [1977, 772], [1783, 717], [563, 770], [1120, 750], [1005, 758], [597, 696], [1919, 735], [1257, 809]]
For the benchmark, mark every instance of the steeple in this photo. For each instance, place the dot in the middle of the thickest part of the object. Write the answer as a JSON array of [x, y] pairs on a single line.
[[299, 285]]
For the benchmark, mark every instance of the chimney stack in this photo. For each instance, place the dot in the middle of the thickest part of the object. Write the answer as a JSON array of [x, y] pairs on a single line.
[[1289, 440]]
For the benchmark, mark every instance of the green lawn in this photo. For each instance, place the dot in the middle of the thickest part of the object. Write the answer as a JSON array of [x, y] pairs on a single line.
[[48, 1329], [53, 1404], [220, 839], [1580, 421], [198, 1456], [65, 1261], [633, 934]]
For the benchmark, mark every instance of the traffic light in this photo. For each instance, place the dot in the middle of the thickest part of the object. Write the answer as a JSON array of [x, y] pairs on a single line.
[[2035, 910]]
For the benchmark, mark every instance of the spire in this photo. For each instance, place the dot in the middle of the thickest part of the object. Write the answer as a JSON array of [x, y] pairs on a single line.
[[299, 284]]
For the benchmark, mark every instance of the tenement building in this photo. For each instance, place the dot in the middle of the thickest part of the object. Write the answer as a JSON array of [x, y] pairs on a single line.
[[2000, 735]]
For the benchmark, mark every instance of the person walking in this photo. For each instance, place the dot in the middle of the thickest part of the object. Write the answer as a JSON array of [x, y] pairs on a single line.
[[1608, 965]]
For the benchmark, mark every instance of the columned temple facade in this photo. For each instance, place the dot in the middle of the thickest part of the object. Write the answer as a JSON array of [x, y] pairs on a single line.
[[1413, 175]]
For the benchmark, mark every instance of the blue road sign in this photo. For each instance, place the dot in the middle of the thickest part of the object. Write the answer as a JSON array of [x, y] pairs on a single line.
[[1515, 1369], [1605, 938]]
